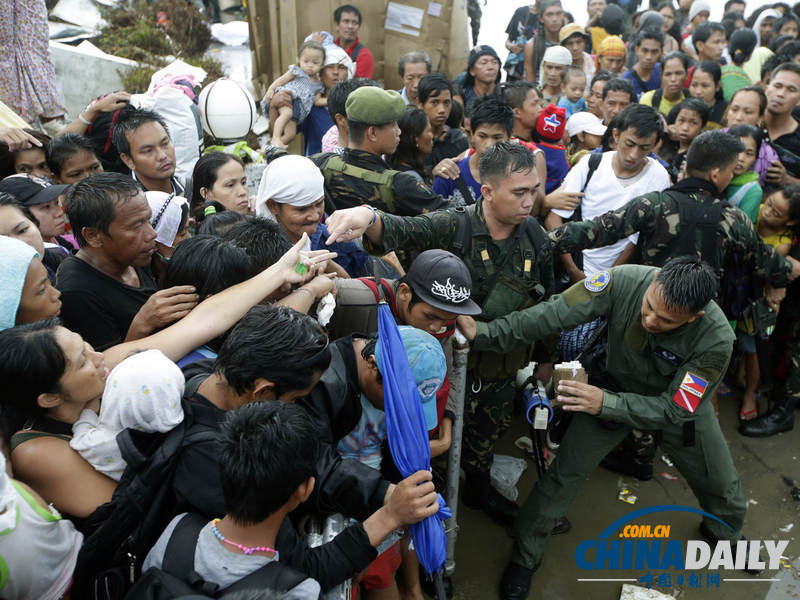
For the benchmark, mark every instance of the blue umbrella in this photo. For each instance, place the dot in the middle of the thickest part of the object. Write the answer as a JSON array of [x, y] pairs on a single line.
[[408, 437]]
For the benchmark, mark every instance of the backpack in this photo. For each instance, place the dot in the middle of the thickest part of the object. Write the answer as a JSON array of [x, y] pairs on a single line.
[[356, 51], [734, 287], [658, 96], [143, 504], [177, 578], [384, 180]]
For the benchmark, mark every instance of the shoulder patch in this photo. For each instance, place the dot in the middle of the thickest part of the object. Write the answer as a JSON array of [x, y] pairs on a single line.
[[424, 187], [598, 282], [716, 361], [690, 392]]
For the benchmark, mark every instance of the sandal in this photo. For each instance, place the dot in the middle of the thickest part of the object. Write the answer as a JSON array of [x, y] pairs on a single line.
[[748, 415], [724, 390]]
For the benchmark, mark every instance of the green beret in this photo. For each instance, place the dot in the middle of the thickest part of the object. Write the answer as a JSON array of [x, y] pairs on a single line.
[[374, 106]]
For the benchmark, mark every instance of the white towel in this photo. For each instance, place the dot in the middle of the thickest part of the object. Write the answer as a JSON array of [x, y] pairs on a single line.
[[142, 392]]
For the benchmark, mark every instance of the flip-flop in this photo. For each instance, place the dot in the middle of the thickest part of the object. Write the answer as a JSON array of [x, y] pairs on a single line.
[[747, 415], [724, 390]]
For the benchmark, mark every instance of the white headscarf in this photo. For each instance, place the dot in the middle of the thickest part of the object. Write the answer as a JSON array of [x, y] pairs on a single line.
[[291, 180], [337, 56], [770, 12], [167, 211], [557, 55]]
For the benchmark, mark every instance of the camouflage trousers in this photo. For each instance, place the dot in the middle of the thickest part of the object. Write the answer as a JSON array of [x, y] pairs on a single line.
[[488, 410], [475, 13], [792, 388]]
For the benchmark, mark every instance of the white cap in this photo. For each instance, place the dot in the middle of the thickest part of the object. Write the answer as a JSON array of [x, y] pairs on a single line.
[[585, 122]]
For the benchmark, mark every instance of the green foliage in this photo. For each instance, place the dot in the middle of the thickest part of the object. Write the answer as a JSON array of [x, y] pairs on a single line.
[[147, 37]]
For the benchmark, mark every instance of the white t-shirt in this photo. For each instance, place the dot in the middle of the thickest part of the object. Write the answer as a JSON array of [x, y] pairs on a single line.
[[607, 192]]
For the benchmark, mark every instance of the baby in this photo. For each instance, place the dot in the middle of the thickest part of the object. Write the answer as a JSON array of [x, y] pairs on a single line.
[[142, 392], [574, 85], [304, 82]]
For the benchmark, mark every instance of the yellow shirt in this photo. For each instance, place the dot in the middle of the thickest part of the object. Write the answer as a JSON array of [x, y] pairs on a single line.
[[664, 107]]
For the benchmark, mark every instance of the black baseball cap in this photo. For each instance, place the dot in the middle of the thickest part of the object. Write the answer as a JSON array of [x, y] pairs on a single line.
[[442, 280], [31, 189]]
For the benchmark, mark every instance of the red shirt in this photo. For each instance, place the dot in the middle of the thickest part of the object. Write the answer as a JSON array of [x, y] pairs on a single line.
[[365, 64]]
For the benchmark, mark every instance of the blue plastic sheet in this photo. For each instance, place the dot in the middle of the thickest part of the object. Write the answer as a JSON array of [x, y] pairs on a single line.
[[408, 436]]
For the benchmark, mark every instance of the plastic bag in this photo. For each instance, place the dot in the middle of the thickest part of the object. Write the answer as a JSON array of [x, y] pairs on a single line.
[[505, 473]]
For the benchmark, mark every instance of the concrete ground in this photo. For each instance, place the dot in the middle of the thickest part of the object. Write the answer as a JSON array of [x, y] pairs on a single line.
[[483, 547]]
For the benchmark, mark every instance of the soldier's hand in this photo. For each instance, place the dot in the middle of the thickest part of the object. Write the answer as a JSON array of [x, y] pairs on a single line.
[[467, 326], [348, 224], [774, 296], [795, 268], [580, 397]]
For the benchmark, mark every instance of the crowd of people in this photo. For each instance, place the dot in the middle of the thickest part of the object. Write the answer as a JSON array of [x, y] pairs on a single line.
[[191, 370]]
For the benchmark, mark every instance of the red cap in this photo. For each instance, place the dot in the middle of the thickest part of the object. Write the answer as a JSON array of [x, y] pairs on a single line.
[[551, 123]]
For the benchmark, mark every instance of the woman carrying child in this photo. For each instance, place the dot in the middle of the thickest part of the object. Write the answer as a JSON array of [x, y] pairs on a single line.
[[304, 82]]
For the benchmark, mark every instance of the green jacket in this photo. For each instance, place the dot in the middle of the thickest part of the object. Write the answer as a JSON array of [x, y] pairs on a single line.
[[657, 219], [650, 367], [526, 278], [751, 200]]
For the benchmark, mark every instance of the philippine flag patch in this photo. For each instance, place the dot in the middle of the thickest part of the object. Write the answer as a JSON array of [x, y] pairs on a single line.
[[690, 392]]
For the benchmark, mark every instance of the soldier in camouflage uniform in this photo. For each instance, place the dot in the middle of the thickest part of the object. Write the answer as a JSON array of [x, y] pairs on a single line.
[[365, 178], [659, 218], [510, 270]]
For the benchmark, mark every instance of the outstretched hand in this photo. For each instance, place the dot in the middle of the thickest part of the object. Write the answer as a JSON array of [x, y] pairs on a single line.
[[348, 224], [289, 262]]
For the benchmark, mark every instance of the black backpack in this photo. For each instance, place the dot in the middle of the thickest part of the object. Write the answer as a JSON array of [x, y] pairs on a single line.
[[143, 504], [177, 578]]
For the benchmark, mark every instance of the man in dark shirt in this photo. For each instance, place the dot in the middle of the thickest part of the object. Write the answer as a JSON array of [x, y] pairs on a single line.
[[276, 353], [435, 97], [108, 292], [372, 115], [781, 129]]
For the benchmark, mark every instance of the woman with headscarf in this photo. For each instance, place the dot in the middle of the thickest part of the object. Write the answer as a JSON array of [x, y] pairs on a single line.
[[763, 26], [551, 19], [292, 194], [740, 47], [651, 19]]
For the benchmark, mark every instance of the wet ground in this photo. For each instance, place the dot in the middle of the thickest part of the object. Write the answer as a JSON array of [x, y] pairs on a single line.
[[483, 547]]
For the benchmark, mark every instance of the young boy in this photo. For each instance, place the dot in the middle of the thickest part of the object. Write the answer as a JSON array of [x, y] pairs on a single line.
[[267, 455], [491, 121], [364, 444], [574, 83], [646, 74], [434, 96], [549, 134], [691, 117]]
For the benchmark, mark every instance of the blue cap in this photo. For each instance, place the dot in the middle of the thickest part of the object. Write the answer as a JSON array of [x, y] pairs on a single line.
[[428, 365]]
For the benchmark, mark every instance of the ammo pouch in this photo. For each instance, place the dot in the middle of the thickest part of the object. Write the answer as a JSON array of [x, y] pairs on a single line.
[[508, 294]]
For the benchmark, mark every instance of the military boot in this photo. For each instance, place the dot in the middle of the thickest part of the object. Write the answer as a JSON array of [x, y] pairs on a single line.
[[516, 581], [623, 463], [780, 418], [480, 495]]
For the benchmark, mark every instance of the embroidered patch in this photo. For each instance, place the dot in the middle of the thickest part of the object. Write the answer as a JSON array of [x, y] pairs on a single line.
[[668, 356], [716, 361], [690, 392], [598, 282]]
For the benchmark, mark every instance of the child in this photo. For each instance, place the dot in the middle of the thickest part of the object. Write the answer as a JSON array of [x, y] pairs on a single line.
[[689, 118], [574, 84], [491, 120], [744, 191], [306, 86], [142, 392], [38, 549], [31, 160], [364, 443], [777, 217], [71, 157], [585, 133], [267, 455], [548, 135]]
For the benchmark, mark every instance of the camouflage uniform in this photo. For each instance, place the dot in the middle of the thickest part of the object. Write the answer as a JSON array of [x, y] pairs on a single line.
[[411, 196], [491, 377], [657, 219]]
